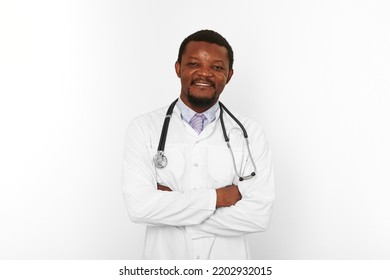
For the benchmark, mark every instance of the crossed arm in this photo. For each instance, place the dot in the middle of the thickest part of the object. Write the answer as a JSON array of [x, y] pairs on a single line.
[[226, 196]]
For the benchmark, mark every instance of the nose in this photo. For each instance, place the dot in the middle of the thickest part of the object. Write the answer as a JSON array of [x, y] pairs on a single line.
[[204, 71]]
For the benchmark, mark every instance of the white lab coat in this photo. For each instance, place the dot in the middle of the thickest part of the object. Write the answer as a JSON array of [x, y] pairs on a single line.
[[184, 223]]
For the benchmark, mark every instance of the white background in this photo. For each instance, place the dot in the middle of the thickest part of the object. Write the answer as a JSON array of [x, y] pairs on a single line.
[[315, 74]]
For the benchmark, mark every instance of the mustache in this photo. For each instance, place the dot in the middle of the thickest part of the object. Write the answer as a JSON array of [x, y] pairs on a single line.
[[203, 80]]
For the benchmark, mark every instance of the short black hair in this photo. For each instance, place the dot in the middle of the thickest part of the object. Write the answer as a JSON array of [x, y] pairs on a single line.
[[208, 36]]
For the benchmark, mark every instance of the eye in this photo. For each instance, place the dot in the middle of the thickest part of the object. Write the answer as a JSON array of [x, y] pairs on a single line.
[[192, 64], [218, 67]]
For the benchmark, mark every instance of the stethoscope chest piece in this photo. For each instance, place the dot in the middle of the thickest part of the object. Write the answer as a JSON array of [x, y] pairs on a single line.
[[160, 160]]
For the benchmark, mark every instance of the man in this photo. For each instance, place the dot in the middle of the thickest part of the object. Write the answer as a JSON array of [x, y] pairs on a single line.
[[196, 207]]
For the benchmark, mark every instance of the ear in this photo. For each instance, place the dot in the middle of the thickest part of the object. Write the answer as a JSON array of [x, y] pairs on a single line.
[[177, 69], [229, 75]]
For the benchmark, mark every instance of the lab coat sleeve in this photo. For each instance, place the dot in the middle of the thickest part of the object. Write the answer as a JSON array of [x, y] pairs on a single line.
[[253, 212], [145, 204]]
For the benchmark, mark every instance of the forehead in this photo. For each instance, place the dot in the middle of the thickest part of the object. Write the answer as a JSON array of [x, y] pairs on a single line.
[[202, 50]]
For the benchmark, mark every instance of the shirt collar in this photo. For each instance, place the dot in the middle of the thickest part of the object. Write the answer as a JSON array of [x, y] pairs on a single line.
[[187, 113]]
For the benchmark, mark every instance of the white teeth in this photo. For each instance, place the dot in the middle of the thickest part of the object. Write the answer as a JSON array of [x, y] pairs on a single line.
[[202, 84]]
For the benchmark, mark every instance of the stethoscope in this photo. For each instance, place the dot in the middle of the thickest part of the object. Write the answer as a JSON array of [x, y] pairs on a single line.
[[161, 161]]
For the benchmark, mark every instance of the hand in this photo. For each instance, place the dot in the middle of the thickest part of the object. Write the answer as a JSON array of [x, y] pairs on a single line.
[[163, 188], [228, 196]]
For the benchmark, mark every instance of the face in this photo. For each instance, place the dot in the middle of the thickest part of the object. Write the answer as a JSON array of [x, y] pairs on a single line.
[[204, 72]]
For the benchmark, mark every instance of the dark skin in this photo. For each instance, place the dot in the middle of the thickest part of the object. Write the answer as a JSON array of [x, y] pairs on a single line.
[[226, 196], [204, 72]]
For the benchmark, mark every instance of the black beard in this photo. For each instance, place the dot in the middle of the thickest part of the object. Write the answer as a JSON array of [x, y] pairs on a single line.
[[201, 102]]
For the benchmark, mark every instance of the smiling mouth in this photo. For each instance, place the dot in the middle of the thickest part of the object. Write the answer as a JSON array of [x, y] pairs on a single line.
[[203, 83]]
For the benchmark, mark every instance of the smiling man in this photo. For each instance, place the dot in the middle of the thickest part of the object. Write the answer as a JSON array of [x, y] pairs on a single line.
[[199, 177], [204, 70]]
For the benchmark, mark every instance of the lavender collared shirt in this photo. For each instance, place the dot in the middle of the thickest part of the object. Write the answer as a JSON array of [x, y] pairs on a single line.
[[187, 113]]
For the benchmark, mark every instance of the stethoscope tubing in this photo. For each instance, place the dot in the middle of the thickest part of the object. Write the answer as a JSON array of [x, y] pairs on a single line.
[[164, 131], [161, 161], [223, 108]]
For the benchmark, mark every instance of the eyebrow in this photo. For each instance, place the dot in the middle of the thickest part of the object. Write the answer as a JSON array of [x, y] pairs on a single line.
[[215, 61], [193, 57]]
